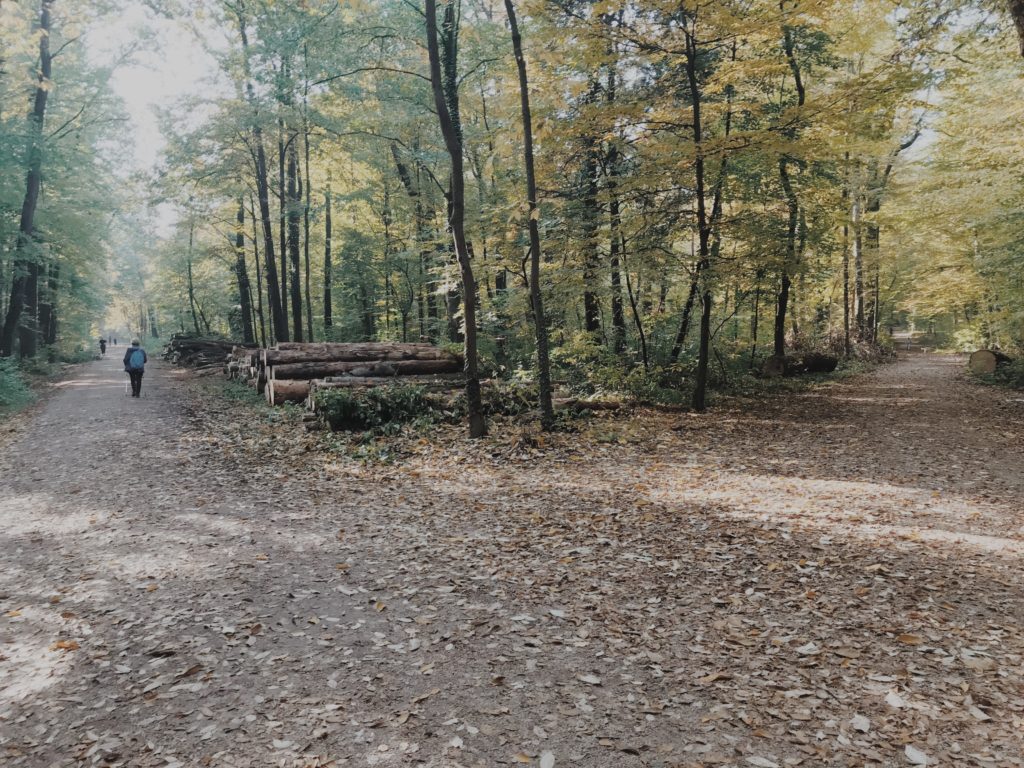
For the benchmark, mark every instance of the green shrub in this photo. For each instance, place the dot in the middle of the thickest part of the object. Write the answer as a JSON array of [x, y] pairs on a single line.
[[376, 408], [502, 398], [1009, 374], [14, 391]]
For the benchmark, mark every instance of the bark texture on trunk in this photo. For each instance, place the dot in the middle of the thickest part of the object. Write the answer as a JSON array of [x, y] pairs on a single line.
[[536, 295], [21, 319], [450, 129]]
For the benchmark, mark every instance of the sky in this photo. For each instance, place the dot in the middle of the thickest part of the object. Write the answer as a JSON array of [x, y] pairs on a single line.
[[170, 65]]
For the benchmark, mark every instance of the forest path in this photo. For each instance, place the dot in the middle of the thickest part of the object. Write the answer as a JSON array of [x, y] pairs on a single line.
[[828, 578]]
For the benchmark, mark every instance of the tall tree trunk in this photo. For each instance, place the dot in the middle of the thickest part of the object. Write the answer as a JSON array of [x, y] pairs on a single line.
[[858, 267], [279, 318], [703, 223], [614, 216], [191, 282], [259, 274], [790, 265], [328, 267], [282, 214], [755, 319], [451, 130], [48, 312], [242, 276], [294, 201], [26, 264], [591, 304], [536, 295], [1017, 14], [154, 332], [847, 347], [309, 191]]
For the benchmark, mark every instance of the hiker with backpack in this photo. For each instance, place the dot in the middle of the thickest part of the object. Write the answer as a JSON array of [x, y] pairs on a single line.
[[135, 363]]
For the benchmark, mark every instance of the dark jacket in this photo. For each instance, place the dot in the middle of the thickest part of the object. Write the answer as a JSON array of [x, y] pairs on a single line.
[[128, 356]]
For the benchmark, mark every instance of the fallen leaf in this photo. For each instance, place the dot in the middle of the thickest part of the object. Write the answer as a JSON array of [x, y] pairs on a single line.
[[589, 679], [915, 756], [547, 759]]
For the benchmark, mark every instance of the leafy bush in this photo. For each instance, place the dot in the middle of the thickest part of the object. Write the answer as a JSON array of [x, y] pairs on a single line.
[[14, 391], [375, 408], [1009, 374]]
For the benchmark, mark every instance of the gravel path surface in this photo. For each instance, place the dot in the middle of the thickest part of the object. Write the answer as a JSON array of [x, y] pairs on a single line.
[[822, 579]]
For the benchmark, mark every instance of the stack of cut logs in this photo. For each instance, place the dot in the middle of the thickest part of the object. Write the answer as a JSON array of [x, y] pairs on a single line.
[[197, 351], [292, 372]]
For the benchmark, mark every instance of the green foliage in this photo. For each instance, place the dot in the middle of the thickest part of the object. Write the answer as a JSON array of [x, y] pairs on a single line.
[[376, 408], [1007, 375], [591, 369], [14, 390]]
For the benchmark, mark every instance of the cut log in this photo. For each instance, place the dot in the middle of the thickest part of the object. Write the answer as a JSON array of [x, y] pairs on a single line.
[[353, 353], [281, 391], [320, 370], [986, 361]]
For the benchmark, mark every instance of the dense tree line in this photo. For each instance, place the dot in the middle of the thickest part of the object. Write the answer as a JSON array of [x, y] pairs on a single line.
[[669, 191]]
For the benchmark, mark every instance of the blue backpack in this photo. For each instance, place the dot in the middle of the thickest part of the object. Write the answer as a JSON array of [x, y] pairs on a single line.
[[137, 361]]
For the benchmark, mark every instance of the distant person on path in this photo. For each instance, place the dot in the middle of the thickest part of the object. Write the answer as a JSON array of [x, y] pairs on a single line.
[[135, 363], [103, 346]]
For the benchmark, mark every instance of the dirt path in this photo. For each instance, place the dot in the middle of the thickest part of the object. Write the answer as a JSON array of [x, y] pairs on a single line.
[[827, 579]]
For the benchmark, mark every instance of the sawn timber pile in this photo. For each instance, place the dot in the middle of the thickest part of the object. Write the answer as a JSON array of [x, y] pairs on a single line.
[[290, 372], [198, 351]]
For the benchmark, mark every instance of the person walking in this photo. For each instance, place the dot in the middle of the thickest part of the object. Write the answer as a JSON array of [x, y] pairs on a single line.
[[135, 364], [103, 346]]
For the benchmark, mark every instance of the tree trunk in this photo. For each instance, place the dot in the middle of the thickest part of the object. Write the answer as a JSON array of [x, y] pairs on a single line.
[[591, 304], [26, 263], [191, 282], [858, 267], [153, 330], [536, 295], [328, 267], [790, 265], [259, 274], [48, 311], [242, 276], [282, 214], [1017, 13], [278, 315], [306, 203], [847, 348], [294, 201], [452, 133]]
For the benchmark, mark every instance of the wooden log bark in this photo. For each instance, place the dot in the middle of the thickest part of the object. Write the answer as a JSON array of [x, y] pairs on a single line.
[[320, 370], [281, 391], [986, 361], [354, 353]]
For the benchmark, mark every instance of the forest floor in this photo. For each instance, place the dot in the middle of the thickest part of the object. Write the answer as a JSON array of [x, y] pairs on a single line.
[[830, 578]]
